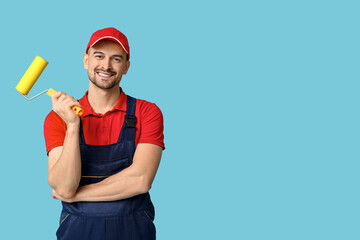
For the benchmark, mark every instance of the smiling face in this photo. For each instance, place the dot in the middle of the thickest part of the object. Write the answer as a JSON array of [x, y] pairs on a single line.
[[106, 62]]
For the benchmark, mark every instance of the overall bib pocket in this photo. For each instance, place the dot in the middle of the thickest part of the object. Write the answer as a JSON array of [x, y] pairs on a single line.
[[94, 171]]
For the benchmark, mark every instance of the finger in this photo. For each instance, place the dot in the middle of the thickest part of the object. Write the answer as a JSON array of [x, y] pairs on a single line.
[[62, 98], [58, 98], [77, 103], [71, 97], [66, 98], [55, 96], [68, 102]]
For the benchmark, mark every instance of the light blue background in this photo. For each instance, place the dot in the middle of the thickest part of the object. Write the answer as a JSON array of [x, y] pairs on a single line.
[[260, 103]]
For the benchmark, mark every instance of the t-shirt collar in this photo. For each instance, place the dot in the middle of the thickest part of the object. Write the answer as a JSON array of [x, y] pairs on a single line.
[[120, 105]]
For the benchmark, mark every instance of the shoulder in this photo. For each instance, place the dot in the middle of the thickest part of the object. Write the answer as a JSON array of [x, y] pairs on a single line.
[[54, 131], [144, 108], [150, 122], [149, 116], [52, 116], [53, 120]]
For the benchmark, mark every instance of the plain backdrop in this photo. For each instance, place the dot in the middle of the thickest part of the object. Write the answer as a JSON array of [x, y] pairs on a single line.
[[260, 103]]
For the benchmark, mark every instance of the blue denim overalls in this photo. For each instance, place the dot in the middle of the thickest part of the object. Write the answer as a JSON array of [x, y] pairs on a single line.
[[130, 218]]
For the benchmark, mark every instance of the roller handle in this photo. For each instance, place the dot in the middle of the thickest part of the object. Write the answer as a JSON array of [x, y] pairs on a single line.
[[77, 110]]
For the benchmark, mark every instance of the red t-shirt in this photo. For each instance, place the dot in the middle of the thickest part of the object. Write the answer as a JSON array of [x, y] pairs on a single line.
[[104, 129]]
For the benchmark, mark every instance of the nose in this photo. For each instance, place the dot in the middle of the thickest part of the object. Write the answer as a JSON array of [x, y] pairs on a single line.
[[106, 64]]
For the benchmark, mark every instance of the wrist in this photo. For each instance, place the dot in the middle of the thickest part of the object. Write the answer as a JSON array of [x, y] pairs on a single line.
[[78, 197], [73, 126]]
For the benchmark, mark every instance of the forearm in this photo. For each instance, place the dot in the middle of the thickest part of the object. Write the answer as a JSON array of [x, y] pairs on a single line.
[[122, 185], [130, 182], [65, 174]]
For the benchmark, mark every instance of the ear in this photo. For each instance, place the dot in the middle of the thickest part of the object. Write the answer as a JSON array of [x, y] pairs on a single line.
[[85, 59], [127, 65]]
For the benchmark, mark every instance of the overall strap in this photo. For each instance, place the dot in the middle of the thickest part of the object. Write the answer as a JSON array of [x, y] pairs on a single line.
[[81, 135], [129, 126], [130, 119]]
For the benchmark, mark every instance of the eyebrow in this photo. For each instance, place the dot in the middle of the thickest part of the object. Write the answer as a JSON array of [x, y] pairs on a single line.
[[116, 55], [98, 52]]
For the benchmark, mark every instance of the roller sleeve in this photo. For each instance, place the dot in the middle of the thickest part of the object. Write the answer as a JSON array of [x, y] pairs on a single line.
[[31, 75]]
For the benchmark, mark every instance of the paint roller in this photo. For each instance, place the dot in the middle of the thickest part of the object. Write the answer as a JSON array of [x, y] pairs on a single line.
[[32, 75]]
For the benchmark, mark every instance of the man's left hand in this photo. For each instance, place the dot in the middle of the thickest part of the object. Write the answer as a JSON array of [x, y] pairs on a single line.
[[54, 195]]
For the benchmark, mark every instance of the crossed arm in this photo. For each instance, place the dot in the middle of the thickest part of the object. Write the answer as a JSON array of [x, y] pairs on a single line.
[[65, 164], [132, 181]]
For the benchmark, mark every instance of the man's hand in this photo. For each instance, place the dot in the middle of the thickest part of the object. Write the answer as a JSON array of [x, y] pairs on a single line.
[[62, 105], [54, 195]]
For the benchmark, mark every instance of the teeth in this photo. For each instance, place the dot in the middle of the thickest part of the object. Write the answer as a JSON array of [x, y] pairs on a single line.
[[104, 75]]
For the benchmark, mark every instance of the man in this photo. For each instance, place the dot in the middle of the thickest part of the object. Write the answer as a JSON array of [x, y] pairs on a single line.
[[102, 165]]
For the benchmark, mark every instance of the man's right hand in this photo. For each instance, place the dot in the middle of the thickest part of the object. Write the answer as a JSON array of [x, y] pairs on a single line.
[[62, 105]]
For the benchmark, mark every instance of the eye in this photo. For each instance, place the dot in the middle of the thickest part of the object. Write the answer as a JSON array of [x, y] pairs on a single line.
[[98, 56]]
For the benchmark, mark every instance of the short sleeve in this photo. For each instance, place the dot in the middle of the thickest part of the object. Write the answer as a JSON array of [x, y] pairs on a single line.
[[54, 131], [151, 124]]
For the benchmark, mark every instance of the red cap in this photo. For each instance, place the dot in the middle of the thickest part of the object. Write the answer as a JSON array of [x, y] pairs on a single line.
[[111, 34]]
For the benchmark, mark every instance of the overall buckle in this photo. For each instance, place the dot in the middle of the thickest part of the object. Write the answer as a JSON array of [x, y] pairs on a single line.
[[130, 121]]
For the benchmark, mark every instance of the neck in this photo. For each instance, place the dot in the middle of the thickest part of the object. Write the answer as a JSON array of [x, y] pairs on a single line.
[[103, 100]]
